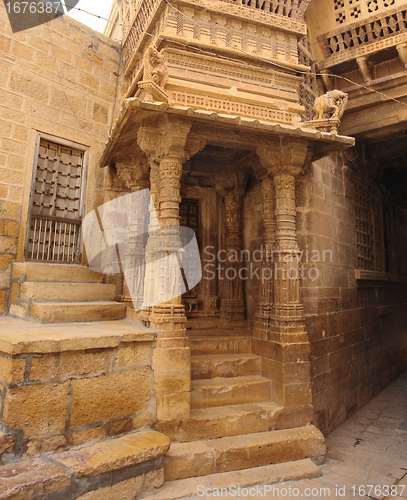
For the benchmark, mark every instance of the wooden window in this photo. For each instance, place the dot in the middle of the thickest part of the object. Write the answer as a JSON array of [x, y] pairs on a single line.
[[57, 202]]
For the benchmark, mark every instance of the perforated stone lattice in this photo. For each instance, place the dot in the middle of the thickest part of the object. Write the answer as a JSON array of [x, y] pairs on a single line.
[[350, 10]]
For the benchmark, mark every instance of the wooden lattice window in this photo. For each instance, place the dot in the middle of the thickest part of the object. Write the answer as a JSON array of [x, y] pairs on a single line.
[[57, 202], [369, 225]]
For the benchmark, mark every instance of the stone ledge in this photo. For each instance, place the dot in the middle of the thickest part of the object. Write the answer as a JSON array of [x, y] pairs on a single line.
[[268, 474], [20, 337], [39, 475], [73, 473], [115, 454]]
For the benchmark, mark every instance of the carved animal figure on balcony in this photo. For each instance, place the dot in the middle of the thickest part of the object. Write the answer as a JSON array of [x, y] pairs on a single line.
[[155, 69], [331, 105]]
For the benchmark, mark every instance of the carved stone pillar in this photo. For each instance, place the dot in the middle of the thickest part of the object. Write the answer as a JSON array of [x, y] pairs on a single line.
[[164, 141], [136, 178], [264, 308], [232, 301], [286, 352]]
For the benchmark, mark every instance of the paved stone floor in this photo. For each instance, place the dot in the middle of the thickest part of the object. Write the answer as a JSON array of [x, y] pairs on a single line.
[[367, 455]]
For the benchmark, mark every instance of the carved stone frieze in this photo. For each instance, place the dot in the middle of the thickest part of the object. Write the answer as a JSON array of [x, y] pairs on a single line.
[[253, 14], [232, 106]]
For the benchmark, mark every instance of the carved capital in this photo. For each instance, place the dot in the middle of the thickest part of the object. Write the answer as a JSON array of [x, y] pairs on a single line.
[[166, 138], [286, 159], [135, 176], [232, 184]]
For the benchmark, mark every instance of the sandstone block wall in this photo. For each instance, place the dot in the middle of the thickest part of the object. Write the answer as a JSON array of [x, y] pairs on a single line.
[[357, 330], [57, 400], [60, 79]]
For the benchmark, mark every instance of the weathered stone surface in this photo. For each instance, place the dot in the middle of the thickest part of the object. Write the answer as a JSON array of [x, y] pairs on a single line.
[[20, 479], [171, 359], [75, 292], [35, 271], [7, 443], [237, 390], [125, 490], [36, 409], [219, 345], [109, 396], [242, 452], [224, 365], [53, 443], [177, 463], [268, 474], [18, 337], [54, 312], [11, 370], [70, 363], [220, 421], [115, 454], [81, 437], [153, 480], [173, 406], [144, 419], [133, 354], [166, 381]]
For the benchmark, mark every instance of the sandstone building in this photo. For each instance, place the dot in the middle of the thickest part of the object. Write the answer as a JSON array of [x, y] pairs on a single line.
[[300, 217]]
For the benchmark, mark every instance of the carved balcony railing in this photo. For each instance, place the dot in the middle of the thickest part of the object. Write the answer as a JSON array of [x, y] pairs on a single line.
[[289, 8], [134, 30], [378, 32]]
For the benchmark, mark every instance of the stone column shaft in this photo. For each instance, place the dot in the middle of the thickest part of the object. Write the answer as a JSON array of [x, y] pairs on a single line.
[[163, 140], [232, 301], [284, 345]]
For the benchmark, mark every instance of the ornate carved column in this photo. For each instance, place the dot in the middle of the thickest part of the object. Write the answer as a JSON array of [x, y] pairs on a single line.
[[287, 349], [164, 142], [264, 308], [136, 178], [232, 301]]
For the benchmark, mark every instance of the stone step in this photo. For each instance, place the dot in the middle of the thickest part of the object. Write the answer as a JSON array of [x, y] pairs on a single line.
[[131, 462], [39, 271], [230, 391], [199, 458], [55, 312], [213, 484], [222, 421], [224, 365], [67, 292], [222, 344]]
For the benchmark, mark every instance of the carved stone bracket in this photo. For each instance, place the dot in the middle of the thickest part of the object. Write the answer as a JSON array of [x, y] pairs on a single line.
[[330, 107], [155, 77]]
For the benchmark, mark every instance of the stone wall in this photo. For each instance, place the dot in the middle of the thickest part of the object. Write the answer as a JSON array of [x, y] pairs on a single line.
[[60, 79], [73, 385], [357, 329]]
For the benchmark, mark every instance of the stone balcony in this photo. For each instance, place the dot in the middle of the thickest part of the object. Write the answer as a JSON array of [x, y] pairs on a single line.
[[220, 53]]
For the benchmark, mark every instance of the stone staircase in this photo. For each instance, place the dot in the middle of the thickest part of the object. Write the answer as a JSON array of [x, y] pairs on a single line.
[[52, 293], [233, 423]]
